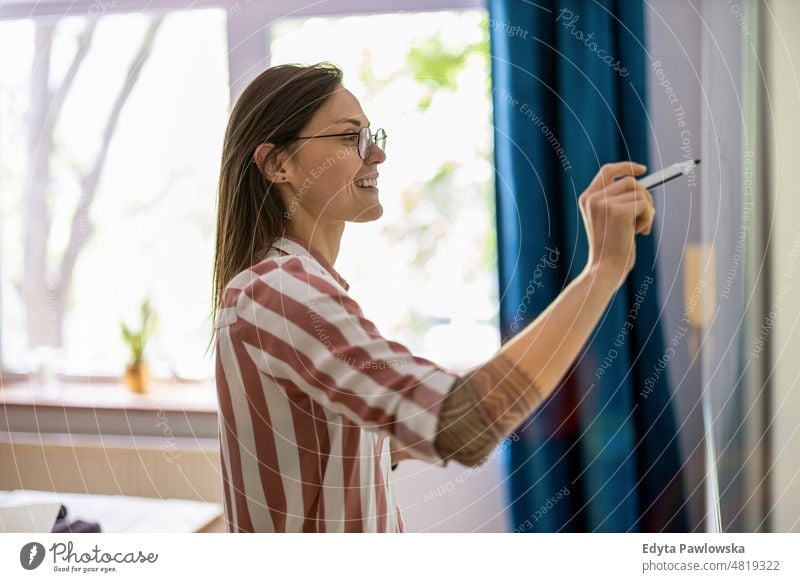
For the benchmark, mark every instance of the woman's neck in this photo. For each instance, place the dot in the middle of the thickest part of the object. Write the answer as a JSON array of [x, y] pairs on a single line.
[[324, 238]]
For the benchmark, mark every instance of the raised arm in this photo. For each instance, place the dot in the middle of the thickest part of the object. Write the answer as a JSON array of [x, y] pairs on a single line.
[[491, 401]]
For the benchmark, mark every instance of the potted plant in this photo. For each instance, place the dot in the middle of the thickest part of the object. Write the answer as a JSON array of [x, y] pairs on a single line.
[[137, 372]]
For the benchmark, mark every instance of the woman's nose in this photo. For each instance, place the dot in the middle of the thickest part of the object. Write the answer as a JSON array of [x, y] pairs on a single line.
[[376, 155]]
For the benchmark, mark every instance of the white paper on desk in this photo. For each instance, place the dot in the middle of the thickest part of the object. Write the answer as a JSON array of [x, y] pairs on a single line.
[[29, 518]]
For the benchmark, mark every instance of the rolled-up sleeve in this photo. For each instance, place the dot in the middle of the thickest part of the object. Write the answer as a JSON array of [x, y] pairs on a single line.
[[300, 326]]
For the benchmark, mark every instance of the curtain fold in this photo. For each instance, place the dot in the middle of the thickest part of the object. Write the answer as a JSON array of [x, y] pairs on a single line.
[[568, 83]]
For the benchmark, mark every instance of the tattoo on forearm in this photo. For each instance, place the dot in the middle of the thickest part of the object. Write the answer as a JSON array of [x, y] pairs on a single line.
[[482, 408]]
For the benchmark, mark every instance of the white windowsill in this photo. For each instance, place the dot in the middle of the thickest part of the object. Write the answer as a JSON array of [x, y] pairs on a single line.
[[165, 396], [108, 408]]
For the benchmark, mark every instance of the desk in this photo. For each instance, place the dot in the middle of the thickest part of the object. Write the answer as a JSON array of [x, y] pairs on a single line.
[[124, 514]]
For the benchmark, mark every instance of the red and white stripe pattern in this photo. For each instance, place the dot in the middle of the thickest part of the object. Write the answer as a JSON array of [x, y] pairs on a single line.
[[310, 394]]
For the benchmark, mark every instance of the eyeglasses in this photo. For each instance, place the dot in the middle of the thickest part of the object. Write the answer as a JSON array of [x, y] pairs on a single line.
[[365, 140]]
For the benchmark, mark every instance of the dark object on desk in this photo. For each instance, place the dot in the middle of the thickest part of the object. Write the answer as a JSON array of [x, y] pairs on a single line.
[[77, 526]]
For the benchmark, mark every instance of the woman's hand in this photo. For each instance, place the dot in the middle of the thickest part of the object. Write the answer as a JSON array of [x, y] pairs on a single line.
[[615, 208]]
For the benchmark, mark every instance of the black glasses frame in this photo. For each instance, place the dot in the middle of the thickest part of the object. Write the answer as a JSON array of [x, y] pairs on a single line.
[[366, 140]]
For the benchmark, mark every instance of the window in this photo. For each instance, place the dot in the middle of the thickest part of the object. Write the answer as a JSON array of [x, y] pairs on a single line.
[[119, 172], [157, 86], [424, 77]]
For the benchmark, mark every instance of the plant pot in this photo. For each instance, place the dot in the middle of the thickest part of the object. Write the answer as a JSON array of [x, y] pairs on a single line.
[[137, 378]]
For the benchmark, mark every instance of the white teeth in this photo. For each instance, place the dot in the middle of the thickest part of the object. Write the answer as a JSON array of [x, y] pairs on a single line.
[[365, 183]]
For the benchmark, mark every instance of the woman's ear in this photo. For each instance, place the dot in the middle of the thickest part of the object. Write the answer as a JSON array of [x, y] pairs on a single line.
[[273, 169]]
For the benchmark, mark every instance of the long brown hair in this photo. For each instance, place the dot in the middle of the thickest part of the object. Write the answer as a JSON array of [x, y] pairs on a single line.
[[273, 108]]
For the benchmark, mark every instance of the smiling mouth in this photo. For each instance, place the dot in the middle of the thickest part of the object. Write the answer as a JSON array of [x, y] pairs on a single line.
[[371, 183]]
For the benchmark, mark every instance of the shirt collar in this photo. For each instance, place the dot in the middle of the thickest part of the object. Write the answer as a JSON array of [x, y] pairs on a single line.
[[295, 246]]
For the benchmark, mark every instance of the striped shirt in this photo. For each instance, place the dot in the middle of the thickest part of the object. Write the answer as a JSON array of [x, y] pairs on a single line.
[[310, 395]]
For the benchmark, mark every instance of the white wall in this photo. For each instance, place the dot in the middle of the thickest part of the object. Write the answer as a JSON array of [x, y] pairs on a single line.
[[781, 24], [453, 499]]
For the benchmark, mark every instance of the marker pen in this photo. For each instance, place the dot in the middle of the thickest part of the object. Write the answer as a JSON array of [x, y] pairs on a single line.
[[669, 173]]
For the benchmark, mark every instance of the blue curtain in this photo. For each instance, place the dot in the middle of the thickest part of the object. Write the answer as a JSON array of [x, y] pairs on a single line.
[[568, 83]]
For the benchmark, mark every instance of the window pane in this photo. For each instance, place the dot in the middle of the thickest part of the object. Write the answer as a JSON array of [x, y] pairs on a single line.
[[150, 225], [426, 271]]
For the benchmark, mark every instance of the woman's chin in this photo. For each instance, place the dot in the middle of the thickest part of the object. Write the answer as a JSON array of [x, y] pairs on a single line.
[[369, 213]]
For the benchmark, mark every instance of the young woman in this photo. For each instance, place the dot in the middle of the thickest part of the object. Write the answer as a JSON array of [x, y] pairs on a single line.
[[316, 406]]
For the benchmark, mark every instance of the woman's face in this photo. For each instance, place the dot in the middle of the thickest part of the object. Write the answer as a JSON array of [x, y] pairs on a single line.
[[321, 179]]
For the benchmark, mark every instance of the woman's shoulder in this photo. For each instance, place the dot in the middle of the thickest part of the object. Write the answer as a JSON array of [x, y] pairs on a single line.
[[277, 264], [280, 275]]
